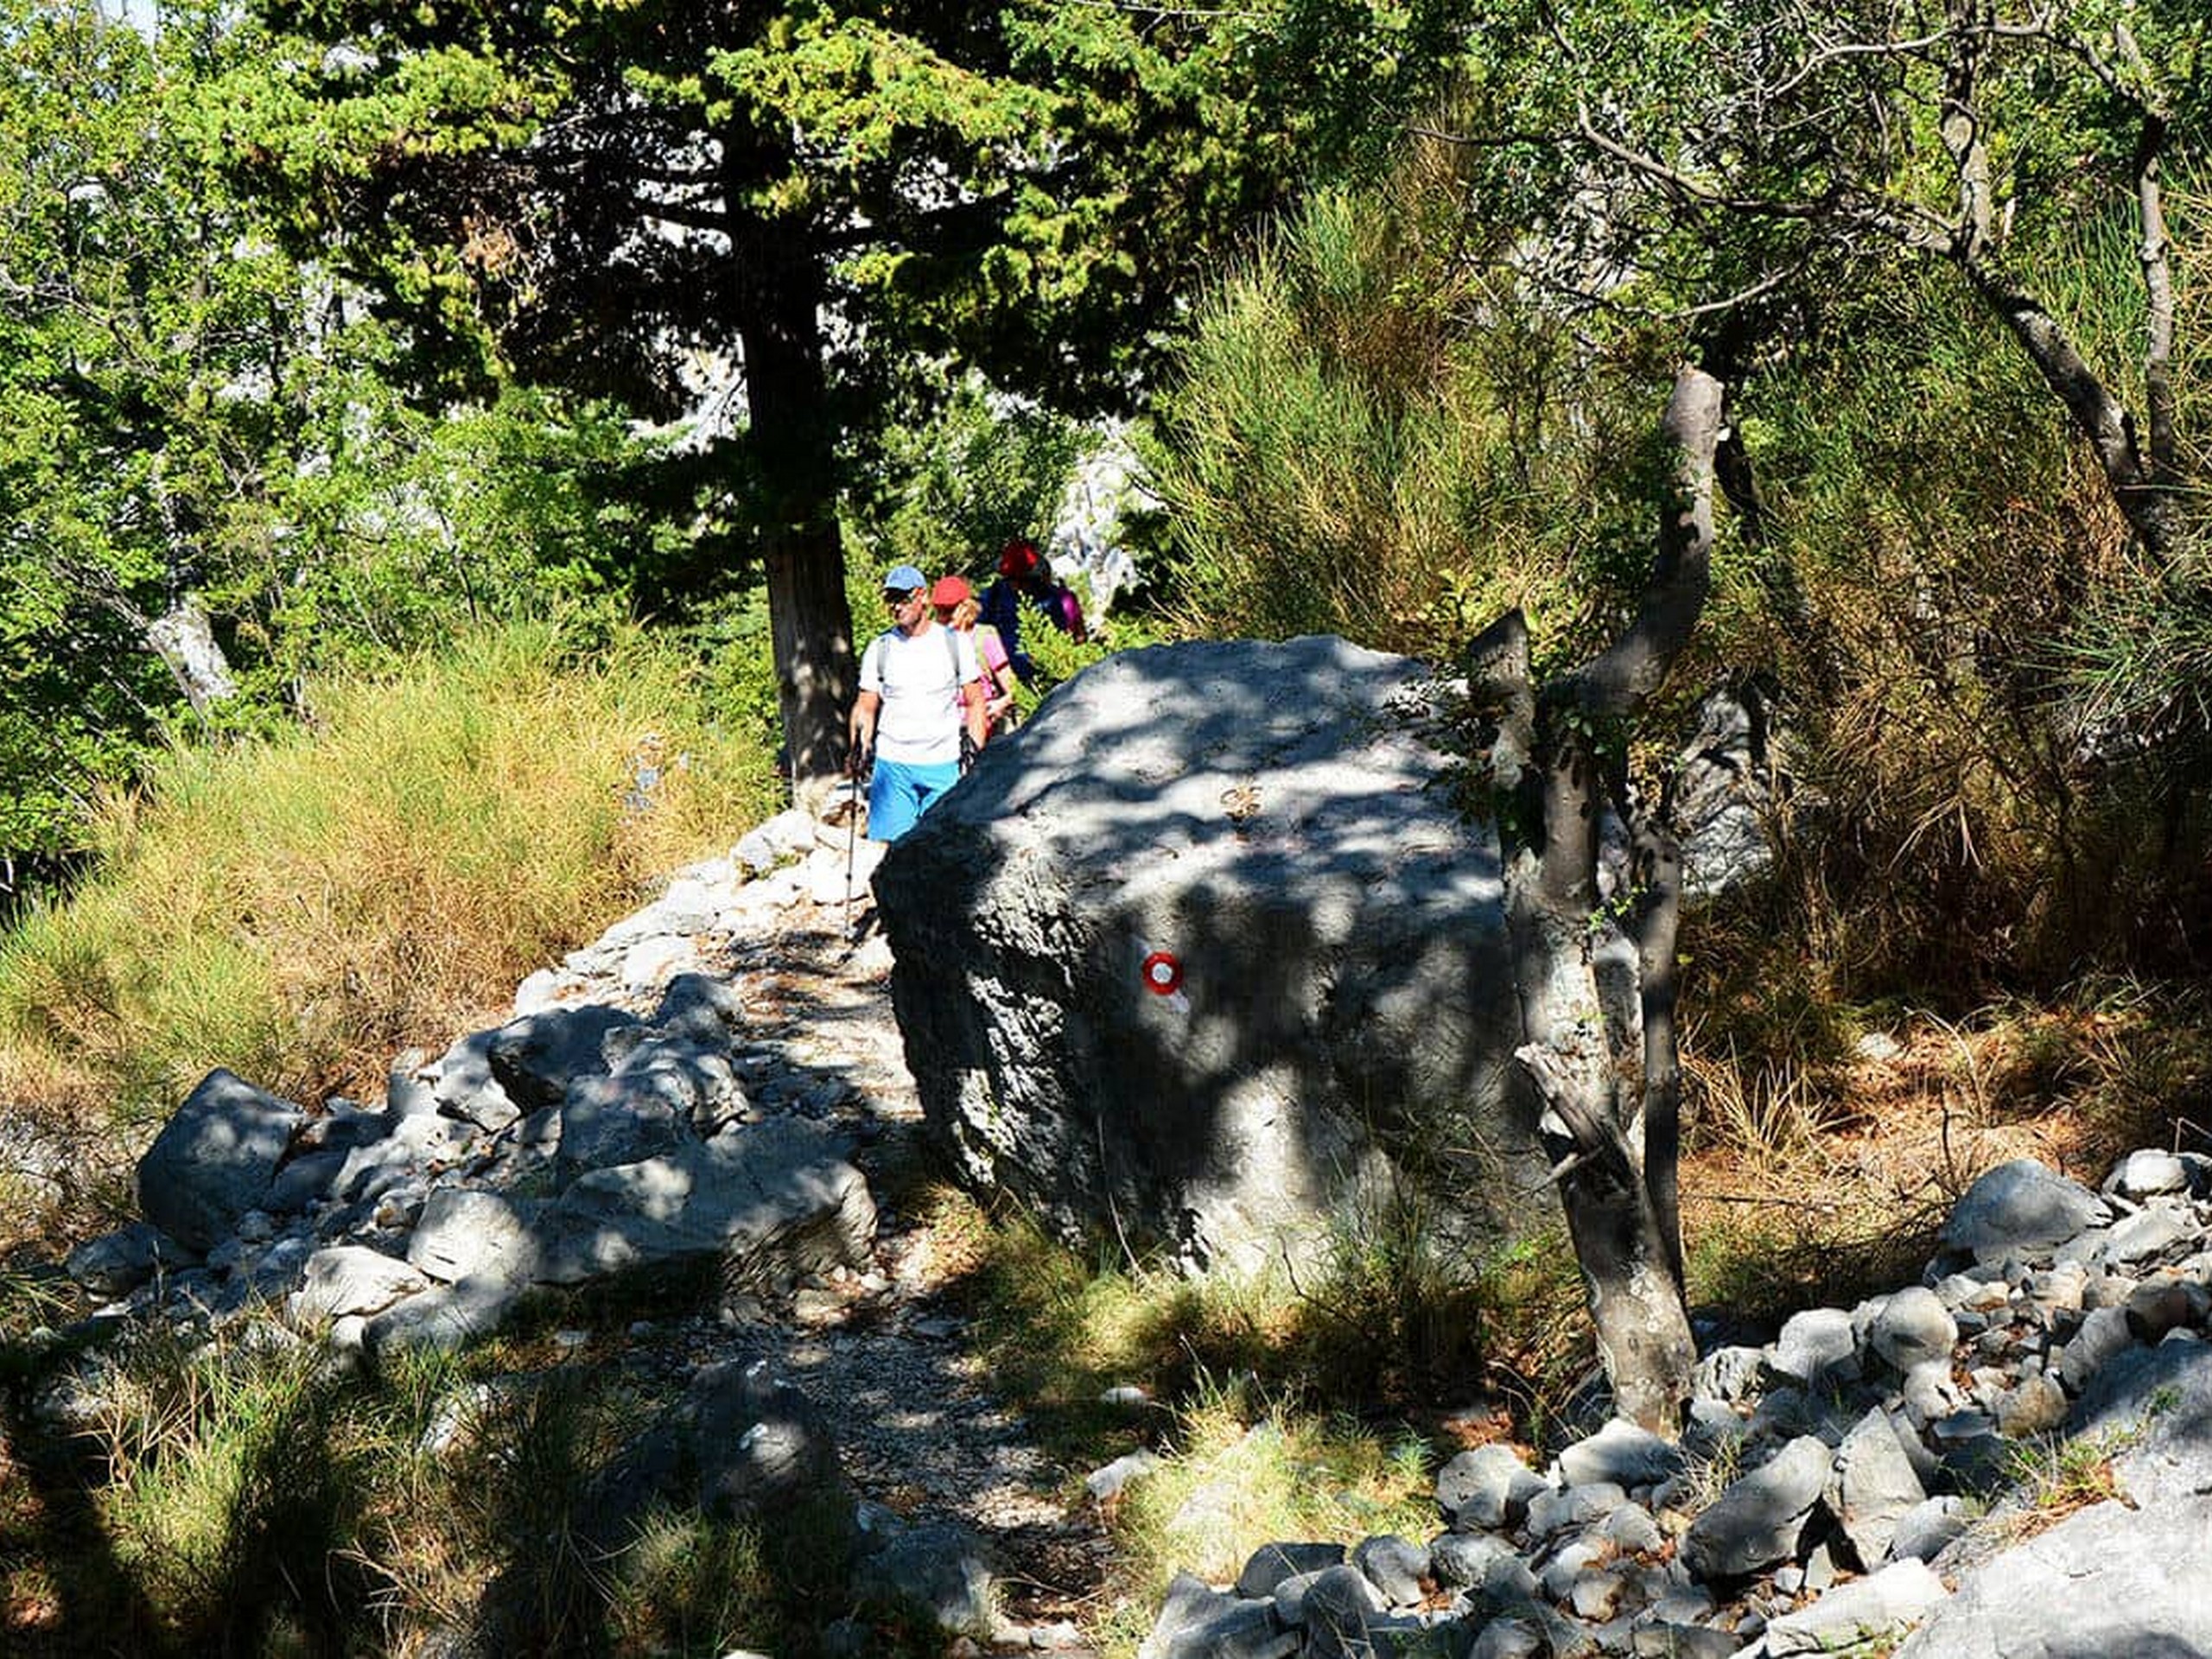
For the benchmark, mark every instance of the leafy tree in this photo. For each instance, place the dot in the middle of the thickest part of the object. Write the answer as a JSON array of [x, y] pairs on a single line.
[[112, 298], [613, 197], [1715, 159], [207, 485]]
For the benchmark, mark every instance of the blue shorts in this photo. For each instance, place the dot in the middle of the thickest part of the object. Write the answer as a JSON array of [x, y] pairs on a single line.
[[901, 793]]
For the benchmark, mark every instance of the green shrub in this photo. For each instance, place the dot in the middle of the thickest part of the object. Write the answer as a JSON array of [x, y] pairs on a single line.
[[1351, 451]]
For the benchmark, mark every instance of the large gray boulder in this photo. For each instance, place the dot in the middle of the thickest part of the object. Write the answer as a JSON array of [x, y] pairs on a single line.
[[214, 1159], [1337, 1014], [2023, 1206], [2110, 1580]]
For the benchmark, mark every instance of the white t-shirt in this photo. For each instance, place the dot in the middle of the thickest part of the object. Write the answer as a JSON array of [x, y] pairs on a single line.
[[918, 677]]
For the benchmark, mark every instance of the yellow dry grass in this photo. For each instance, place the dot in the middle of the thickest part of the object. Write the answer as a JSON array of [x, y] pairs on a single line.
[[300, 908]]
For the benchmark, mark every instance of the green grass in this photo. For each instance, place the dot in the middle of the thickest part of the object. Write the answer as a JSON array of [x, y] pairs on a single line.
[[1283, 1406], [235, 1497], [1246, 1472]]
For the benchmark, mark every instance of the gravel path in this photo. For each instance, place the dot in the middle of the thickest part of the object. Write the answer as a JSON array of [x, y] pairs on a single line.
[[909, 1407]]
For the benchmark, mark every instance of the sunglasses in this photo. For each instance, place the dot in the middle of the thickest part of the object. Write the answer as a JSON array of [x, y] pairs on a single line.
[[897, 600]]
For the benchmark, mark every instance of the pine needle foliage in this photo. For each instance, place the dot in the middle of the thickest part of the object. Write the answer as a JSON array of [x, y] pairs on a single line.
[[1376, 431]]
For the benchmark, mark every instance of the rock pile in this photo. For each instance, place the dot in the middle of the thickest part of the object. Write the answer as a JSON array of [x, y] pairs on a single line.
[[1872, 1469], [567, 1144], [608, 1128], [640, 1113]]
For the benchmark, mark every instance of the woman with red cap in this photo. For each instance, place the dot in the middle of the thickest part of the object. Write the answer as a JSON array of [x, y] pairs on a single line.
[[956, 609]]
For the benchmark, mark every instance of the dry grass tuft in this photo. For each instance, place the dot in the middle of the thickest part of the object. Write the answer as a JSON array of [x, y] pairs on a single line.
[[1812, 1179], [301, 908]]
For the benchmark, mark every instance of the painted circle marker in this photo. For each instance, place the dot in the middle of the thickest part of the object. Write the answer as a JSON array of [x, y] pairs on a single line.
[[1163, 974]]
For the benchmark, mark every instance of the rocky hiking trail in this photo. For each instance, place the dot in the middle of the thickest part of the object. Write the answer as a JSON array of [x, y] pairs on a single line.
[[715, 1088], [713, 1098], [907, 1406]]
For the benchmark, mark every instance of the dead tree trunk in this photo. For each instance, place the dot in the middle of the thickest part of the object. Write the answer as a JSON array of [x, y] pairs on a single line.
[[1609, 1115]]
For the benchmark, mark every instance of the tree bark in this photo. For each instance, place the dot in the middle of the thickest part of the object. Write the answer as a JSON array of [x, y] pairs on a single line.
[[2148, 506], [794, 439], [2137, 476], [1612, 1127]]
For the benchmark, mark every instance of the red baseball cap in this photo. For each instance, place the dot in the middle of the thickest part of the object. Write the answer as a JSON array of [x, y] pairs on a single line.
[[1017, 558], [949, 590]]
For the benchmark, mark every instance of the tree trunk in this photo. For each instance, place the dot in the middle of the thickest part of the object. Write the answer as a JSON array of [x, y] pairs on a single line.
[[2139, 476], [794, 440], [1611, 1127], [2149, 505]]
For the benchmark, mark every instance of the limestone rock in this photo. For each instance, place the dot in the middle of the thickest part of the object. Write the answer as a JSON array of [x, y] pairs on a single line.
[[2103, 1336], [465, 1233], [939, 1568], [1271, 1564], [2021, 1205], [786, 835], [2158, 1305], [700, 1009], [1926, 1530], [1462, 1558], [755, 1443], [1337, 1607], [2109, 1580], [348, 1279], [2148, 1234], [443, 1319], [214, 1158], [2037, 1405], [116, 1263], [1395, 1569], [1620, 1452], [1758, 1520], [2148, 1173], [1873, 1485], [776, 1196], [1912, 1327], [1196, 1622], [1258, 823], [610, 1120], [1816, 1347], [1901, 1594], [1488, 1486], [2155, 1405]]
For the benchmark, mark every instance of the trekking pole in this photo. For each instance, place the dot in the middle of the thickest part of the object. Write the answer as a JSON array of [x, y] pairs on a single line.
[[854, 765]]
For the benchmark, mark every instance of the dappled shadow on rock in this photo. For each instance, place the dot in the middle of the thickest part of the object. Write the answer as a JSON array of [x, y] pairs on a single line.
[[1207, 953]]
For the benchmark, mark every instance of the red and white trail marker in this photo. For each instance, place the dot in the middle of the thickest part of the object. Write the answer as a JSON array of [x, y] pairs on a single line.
[[1162, 974]]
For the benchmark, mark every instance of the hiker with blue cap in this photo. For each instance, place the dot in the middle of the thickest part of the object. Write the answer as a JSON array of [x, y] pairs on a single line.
[[921, 695]]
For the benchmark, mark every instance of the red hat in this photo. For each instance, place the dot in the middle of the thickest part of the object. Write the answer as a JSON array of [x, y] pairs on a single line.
[[949, 590], [1018, 557]]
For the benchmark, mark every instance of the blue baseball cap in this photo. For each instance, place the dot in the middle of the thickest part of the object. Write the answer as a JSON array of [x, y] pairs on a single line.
[[903, 579]]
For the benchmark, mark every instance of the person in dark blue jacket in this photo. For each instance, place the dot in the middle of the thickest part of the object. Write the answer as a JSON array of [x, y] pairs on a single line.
[[1027, 584]]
